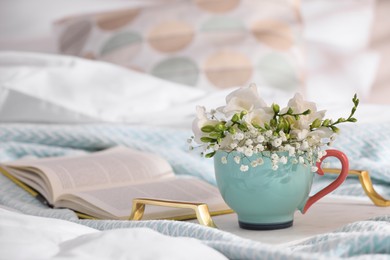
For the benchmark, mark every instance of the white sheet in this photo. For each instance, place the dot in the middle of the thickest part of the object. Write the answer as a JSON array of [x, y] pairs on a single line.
[[68, 89], [30, 237]]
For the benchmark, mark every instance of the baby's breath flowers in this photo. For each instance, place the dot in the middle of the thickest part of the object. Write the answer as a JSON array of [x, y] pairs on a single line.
[[248, 126]]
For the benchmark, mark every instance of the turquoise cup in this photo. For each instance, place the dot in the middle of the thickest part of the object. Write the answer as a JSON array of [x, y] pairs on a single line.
[[266, 199]]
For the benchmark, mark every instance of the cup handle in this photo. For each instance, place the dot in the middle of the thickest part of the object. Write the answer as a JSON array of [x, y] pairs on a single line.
[[336, 183]]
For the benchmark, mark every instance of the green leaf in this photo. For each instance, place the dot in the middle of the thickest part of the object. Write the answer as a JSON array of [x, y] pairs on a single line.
[[266, 126], [215, 134], [352, 119], [290, 111], [306, 112], [209, 155], [206, 139], [207, 129]]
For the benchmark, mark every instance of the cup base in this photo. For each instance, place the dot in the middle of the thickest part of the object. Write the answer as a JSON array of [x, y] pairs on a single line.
[[268, 226]]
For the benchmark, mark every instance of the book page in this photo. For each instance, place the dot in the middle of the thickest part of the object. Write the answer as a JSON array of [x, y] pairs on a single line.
[[107, 168], [118, 201]]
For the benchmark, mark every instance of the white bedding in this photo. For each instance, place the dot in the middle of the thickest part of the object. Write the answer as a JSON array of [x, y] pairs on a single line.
[[30, 237], [38, 88]]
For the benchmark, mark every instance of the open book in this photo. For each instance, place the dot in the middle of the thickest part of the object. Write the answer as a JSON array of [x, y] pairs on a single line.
[[103, 184]]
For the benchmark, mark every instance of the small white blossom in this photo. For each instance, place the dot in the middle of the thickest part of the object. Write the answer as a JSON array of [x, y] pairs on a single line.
[[283, 160], [260, 161], [291, 151], [248, 152], [314, 169], [244, 168], [233, 145], [238, 136], [260, 139], [223, 160], [301, 160], [248, 142], [283, 136], [216, 147], [240, 149], [268, 133], [237, 159], [254, 163], [274, 156], [277, 142], [275, 167], [259, 147], [305, 145]]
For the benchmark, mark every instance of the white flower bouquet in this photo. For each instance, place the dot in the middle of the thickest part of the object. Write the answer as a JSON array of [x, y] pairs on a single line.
[[248, 126]]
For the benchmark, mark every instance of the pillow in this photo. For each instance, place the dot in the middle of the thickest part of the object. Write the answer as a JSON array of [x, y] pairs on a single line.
[[200, 43]]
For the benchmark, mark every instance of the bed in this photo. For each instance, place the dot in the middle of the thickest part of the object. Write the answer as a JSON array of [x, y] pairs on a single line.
[[46, 109]]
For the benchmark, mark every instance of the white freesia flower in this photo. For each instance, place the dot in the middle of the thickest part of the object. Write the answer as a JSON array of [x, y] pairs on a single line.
[[200, 121], [300, 134], [243, 99], [259, 116], [298, 105], [320, 133]]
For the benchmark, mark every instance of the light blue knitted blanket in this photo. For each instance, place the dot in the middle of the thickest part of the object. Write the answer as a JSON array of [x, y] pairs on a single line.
[[367, 146]]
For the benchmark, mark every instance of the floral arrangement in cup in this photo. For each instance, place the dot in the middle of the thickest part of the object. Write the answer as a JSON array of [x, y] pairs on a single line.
[[248, 126]]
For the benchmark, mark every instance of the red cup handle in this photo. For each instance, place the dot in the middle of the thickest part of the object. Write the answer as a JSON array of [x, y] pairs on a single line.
[[336, 183]]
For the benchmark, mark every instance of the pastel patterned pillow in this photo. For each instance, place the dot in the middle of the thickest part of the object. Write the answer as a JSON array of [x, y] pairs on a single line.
[[203, 43]]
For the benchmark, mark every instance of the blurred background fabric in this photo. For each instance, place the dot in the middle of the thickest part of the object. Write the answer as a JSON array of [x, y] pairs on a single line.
[[380, 42], [328, 50]]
